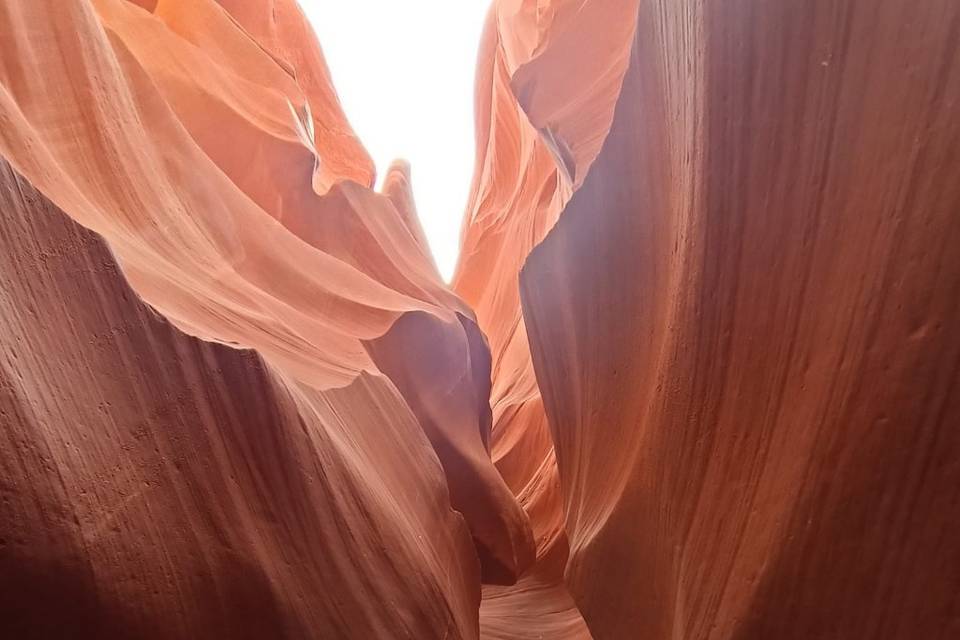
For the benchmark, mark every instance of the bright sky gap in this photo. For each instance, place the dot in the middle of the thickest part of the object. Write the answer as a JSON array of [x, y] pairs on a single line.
[[404, 72]]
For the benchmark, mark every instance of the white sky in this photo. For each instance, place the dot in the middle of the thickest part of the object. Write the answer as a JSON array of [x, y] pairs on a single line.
[[404, 72]]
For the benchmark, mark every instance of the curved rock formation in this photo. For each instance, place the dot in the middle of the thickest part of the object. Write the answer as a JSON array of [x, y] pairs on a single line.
[[160, 486], [696, 375], [524, 176], [190, 147], [540, 124], [740, 326]]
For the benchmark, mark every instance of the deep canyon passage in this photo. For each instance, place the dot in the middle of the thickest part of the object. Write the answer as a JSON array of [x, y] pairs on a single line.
[[696, 375]]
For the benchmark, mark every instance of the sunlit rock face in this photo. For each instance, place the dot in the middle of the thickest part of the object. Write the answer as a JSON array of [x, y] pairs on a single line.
[[696, 375]]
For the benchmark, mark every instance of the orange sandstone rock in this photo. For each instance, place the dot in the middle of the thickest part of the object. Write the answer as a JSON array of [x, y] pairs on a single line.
[[155, 485], [741, 327], [695, 376], [190, 147]]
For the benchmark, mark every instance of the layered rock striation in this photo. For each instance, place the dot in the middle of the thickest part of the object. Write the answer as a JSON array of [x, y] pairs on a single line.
[[696, 375]]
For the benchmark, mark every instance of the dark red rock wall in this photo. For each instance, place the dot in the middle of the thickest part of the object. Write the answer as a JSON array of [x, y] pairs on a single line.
[[154, 485], [744, 327]]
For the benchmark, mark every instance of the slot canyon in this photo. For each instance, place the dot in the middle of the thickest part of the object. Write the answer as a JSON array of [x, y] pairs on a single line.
[[696, 374]]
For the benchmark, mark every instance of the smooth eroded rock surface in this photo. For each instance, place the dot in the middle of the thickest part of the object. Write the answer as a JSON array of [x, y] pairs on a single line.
[[697, 375], [743, 329]]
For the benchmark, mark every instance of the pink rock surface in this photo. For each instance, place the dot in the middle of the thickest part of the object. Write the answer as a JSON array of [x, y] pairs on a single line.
[[696, 375], [741, 328]]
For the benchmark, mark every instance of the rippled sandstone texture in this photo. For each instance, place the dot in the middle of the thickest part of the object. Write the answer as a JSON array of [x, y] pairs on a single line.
[[696, 375], [300, 474]]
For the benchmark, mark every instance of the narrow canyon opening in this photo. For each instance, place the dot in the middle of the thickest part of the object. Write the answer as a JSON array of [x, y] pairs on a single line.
[[404, 74]]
